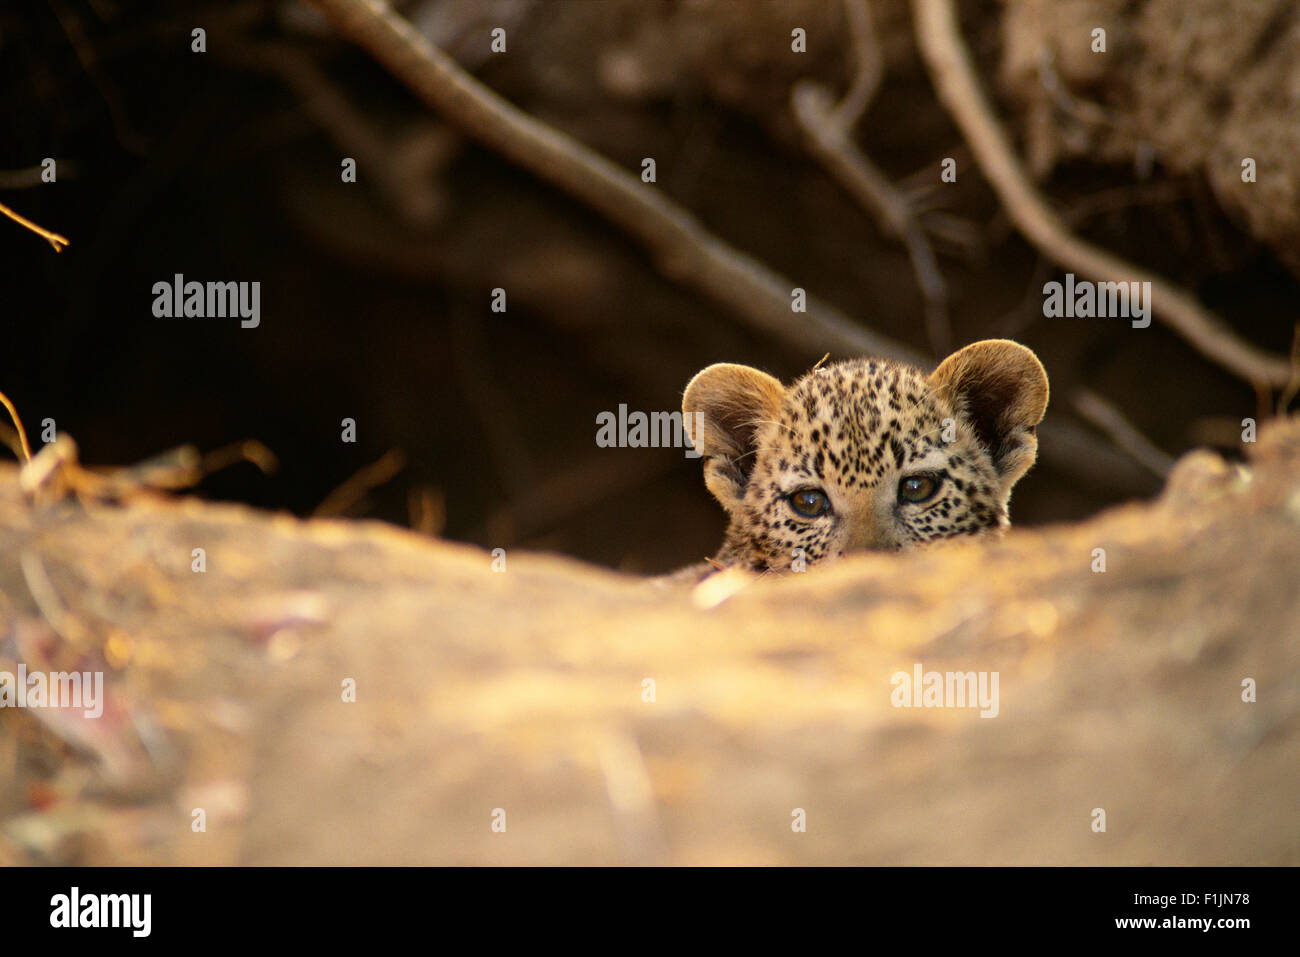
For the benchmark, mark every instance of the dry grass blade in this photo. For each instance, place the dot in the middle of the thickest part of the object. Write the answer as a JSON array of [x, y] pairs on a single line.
[[351, 491]]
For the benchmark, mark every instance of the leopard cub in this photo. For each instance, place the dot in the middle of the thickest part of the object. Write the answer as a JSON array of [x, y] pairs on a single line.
[[865, 454]]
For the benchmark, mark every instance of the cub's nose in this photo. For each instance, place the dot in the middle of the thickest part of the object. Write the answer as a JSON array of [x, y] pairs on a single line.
[[871, 533]]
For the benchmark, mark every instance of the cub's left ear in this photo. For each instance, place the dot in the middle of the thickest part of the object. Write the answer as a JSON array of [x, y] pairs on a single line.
[[1000, 388]]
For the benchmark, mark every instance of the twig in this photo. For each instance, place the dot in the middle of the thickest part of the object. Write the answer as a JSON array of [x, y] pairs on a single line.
[[1074, 450], [682, 248], [427, 510], [829, 129], [1124, 197], [65, 624], [372, 475], [497, 423], [868, 185], [249, 450], [407, 183], [54, 239], [1083, 111], [569, 494], [18, 424], [126, 134], [1122, 432], [56, 470], [957, 84], [870, 69]]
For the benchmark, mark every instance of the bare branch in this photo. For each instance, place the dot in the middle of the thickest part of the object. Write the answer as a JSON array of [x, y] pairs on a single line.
[[870, 69], [682, 248], [958, 86], [368, 477], [829, 130], [1122, 432], [835, 149]]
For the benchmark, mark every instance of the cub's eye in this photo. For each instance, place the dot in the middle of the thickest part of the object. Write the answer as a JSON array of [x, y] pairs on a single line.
[[809, 502], [915, 489]]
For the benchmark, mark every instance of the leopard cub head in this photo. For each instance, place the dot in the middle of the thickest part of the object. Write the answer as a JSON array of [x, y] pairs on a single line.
[[865, 454]]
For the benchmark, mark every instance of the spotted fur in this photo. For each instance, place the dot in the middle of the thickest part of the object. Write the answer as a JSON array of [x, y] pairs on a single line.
[[855, 431]]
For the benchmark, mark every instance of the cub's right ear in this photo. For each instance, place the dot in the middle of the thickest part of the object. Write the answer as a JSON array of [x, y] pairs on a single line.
[[723, 408], [1000, 387]]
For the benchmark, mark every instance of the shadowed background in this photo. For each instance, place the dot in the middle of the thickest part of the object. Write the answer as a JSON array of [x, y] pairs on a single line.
[[375, 296]]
